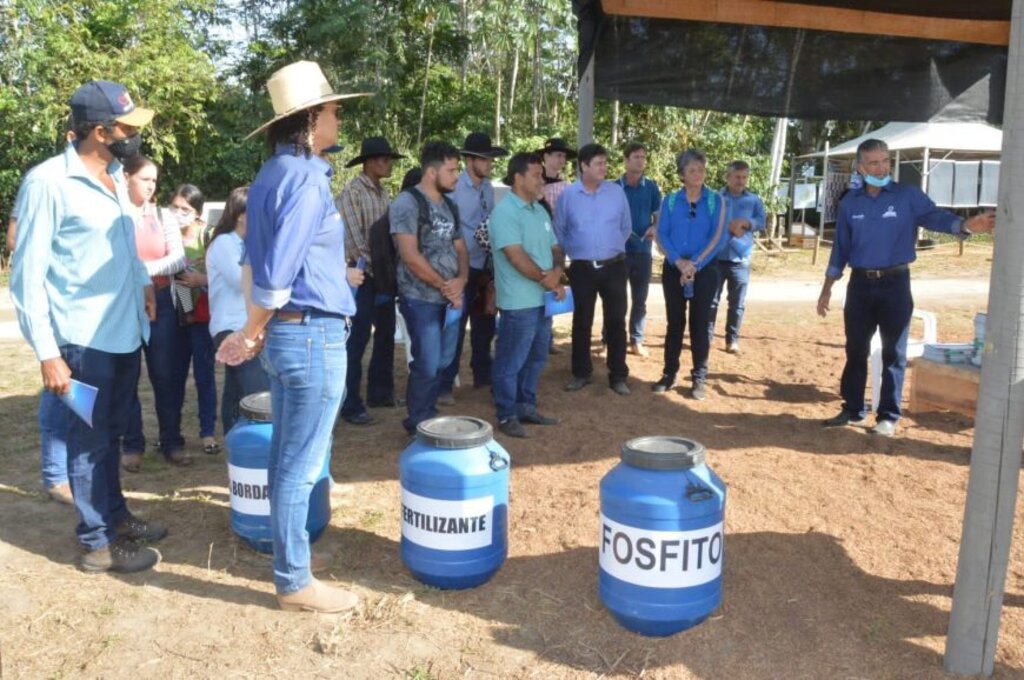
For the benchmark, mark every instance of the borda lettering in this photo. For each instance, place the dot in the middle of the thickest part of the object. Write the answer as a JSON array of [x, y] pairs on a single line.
[[444, 525], [661, 559], [256, 492]]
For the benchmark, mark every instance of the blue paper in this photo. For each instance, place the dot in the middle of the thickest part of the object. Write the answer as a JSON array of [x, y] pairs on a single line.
[[452, 315], [553, 306], [81, 398]]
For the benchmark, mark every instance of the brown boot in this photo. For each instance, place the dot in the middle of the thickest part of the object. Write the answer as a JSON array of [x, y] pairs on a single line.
[[318, 597]]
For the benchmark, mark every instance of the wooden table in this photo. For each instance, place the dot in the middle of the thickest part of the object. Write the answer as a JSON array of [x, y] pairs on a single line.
[[944, 387]]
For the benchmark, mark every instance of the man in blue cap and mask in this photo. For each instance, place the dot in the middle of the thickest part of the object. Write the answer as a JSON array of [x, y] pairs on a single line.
[[83, 297]]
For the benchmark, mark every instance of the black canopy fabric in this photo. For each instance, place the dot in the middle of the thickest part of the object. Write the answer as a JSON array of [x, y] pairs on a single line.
[[799, 73]]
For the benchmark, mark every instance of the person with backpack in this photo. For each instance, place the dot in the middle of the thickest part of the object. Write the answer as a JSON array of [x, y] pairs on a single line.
[[432, 270], [691, 231], [362, 202]]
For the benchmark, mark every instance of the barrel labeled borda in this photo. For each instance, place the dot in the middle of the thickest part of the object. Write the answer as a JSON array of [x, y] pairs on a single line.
[[662, 539], [248, 445], [454, 480]]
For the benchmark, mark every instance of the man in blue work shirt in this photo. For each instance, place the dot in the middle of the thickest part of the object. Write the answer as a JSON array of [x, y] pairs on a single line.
[[592, 223], [644, 202], [84, 303], [745, 215], [876, 231], [474, 197]]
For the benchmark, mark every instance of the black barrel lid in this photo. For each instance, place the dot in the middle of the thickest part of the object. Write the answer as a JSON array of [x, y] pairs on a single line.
[[257, 407], [454, 432], [663, 453]]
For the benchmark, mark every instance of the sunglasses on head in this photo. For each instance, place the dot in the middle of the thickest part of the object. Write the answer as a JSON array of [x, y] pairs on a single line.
[[693, 209]]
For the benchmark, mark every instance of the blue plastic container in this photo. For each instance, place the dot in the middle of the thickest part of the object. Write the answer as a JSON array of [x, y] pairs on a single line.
[[454, 480], [248, 445], [662, 540]]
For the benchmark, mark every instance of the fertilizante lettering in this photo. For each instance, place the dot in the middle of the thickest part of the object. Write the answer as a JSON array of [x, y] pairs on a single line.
[[444, 525]]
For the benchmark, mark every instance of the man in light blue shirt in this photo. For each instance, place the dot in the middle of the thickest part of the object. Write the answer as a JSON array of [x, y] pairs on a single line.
[[745, 213], [474, 197], [83, 297]]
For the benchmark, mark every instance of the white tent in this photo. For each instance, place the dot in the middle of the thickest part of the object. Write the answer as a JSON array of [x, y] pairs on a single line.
[[961, 138]]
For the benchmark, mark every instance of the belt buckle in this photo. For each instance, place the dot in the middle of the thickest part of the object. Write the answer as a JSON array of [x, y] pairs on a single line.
[[597, 264], [874, 273]]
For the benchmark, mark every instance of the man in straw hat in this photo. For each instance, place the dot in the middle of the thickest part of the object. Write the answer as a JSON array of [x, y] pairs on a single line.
[[363, 201], [300, 309], [84, 302], [474, 197]]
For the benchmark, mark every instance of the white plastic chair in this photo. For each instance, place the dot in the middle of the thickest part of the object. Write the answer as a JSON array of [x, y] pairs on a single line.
[[915, 348]]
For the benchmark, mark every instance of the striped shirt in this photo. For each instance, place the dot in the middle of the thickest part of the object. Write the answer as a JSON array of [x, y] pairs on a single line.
[[361, 203]]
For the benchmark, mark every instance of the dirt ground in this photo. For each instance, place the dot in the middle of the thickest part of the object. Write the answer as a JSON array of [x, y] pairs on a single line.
[[841, 548]]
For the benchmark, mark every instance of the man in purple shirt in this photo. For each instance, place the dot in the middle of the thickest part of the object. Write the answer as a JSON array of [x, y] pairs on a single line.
[[592, 223]]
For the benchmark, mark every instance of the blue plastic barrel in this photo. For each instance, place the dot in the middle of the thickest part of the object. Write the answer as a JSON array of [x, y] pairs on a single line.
[[248, 445], [662, 540], [454, 479]]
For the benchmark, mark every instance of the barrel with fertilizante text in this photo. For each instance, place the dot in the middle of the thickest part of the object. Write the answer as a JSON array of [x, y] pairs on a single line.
[[454, 480], [248, 445], [662, 537]]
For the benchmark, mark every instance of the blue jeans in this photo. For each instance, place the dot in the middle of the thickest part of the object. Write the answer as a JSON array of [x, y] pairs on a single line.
[[520, 355], [306, 364], [433, 347], [164, 339], [638, 269], [886, 305], [53, 436], [737, 276], [240, 381], [480, 338], [195, 347], [93, 452], [378, 316]]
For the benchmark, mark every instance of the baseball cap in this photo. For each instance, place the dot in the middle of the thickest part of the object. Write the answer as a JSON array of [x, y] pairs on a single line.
[[103, 100]]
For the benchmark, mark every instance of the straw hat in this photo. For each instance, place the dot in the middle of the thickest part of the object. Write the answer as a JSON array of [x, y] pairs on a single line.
[[298, 87]]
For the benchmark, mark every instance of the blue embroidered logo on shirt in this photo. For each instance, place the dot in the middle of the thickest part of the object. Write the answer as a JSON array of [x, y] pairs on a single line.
[[857, 217], [890, 212]]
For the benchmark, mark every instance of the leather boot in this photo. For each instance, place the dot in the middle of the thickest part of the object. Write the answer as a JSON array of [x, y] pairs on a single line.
[[318, 597]]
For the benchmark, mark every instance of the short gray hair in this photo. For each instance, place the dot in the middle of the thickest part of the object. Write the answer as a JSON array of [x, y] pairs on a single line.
[[736, 166], [690, 156], [869, 145]]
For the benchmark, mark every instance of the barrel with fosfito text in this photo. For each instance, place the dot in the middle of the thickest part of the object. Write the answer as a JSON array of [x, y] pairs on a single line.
[[454, 480], [248, 445], [662, 540]]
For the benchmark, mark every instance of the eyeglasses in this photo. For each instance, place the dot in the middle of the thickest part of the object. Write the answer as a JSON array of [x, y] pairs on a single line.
[[693, 209]]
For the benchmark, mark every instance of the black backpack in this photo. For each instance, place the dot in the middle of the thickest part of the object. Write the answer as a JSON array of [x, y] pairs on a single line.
[[384, 254]]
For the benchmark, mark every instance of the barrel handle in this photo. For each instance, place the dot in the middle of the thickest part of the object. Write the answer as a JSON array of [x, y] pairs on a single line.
[[498, 462], [696, 493]]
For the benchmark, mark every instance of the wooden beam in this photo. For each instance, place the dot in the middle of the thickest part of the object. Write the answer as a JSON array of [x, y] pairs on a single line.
[[816, 18]]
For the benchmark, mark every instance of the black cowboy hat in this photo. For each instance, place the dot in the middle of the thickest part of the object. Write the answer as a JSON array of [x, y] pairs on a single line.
[[479, 144], [557, 144], [371, 148]]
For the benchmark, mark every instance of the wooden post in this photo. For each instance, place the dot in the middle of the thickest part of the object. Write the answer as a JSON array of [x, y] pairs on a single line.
[[821, 213], [792, 197], [896, 167], [999, 428], [586, 104]]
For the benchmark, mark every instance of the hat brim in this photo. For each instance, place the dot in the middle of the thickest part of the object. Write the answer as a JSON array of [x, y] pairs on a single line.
[[492, 153], [138, 117], [359, 160], [569, 153], [303, 107]]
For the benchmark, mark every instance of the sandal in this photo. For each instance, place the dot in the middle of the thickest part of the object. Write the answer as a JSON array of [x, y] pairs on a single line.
[[131, 462], [211, 447], [179, 458]]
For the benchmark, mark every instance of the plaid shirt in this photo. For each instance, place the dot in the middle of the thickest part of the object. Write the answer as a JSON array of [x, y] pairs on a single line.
[[361, 203]]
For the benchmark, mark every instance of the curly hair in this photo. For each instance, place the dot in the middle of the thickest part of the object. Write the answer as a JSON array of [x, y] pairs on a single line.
[[295, 130]]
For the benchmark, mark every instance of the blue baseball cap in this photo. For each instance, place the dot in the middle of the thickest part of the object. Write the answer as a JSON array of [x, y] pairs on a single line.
[[103, 100]]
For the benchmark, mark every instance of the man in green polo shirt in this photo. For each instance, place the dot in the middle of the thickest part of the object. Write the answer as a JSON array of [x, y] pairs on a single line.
[[527, 262]]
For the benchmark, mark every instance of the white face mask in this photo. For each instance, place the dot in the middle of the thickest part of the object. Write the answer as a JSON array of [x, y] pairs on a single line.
[[181, 219]]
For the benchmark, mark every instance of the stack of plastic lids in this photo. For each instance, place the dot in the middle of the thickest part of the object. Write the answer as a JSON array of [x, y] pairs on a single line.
[[949, 353], [979, 338]]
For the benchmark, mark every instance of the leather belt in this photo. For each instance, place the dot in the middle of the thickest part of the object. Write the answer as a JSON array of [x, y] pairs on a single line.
[[597, 264], [299, 317], [880, 273]]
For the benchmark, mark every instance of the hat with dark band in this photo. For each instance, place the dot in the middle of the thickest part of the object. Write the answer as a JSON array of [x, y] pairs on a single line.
[[479, 144], [372, 147], [557, 144]]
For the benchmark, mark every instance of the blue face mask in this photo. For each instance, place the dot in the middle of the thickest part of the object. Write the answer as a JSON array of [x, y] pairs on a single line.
[[876, 182]]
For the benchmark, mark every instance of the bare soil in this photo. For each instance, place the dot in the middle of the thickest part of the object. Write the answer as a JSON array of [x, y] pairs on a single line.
[[841, 547]]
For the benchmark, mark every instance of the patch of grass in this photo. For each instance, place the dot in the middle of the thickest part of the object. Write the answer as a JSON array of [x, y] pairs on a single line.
[[420, 673], [372, 519]]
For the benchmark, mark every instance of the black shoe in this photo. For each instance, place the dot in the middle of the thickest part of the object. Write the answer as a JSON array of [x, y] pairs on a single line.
[[621, 389], [363, 418], [844, 418], [391, 402], [138, 529], [699, 391], [664, 385], [537, 419], [512, 428], [123, 555], [576, 384]]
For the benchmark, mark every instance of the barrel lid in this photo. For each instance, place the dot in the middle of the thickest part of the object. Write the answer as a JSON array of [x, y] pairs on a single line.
[[454, 432], [663, 453], [256, 407]]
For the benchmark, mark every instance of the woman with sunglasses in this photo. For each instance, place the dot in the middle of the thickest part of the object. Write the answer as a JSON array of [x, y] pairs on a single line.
[[691, 231]]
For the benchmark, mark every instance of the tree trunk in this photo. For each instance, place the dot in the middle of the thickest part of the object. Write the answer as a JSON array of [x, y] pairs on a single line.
[[498, 81], [615, 123], [512, 84], [537, 74], [426, 82]]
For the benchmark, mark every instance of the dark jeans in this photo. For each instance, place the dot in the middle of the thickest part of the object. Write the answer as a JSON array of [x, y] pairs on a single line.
[[433, 347], [165, 338], [737, 276], [93, 452], [638, 267], [378, 316], [588, 283], [885, 305], [520, 355], [480, 338], [196, 349], [240, 381], [676, 308]]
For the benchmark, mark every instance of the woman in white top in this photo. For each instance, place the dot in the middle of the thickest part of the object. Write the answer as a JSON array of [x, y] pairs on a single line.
[[227, 304]]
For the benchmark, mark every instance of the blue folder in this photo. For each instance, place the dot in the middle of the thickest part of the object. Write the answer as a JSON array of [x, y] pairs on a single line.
[[563, 306]]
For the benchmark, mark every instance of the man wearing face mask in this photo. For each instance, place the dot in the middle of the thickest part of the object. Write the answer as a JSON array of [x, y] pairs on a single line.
[[82, 298], [876, 229]]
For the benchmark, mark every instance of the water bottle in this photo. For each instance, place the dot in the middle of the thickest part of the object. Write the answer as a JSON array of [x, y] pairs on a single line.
[[688, 290]]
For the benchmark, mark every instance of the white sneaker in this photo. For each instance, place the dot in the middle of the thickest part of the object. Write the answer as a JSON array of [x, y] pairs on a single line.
[[884, 428]]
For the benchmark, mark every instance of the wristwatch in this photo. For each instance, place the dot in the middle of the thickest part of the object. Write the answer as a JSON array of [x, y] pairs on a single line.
[[964, 229]]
